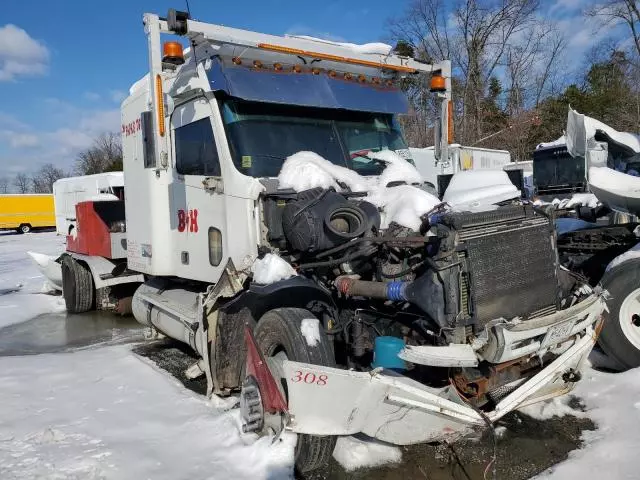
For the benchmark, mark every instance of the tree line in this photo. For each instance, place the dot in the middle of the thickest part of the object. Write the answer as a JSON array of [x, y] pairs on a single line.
[[104, 155], [511, 87]]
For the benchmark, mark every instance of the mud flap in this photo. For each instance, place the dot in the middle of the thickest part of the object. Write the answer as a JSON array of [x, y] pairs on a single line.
[[260, 397]]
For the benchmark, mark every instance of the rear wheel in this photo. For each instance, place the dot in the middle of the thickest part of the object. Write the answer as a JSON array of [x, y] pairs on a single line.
[[279, 336], [77, 286], [620, 337], [24, 228]]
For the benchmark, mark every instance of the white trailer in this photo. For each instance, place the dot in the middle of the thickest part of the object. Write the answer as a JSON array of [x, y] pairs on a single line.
[[439, 171], [68, 192], [206, 136]]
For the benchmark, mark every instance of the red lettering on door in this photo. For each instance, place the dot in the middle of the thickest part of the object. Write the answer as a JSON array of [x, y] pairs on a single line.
[[193, 220], [181, 221], [188, 219]]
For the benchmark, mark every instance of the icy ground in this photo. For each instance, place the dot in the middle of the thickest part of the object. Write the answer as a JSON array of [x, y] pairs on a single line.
[[105, 413], [17, 271], [612, 401]]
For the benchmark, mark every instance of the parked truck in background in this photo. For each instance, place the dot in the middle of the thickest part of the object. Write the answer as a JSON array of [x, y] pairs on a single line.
[[407, 330], [439, 171], [24, 212], [68, 192]]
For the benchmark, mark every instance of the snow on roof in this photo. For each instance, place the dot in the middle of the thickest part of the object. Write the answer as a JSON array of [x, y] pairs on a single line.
[[556, 143], [366, 48], [581, 132], [478, 189]]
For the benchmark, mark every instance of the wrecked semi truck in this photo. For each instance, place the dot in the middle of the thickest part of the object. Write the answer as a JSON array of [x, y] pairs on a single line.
[[598, 236], [271, 226]]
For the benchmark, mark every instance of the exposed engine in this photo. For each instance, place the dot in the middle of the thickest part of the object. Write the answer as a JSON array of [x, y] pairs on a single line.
[[446, 284]]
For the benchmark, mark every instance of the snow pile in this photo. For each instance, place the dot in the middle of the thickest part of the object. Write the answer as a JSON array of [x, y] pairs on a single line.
[[353, 453], [477, 189], [581, 131], [397, 170], [613, 403], [576, 200], [310, 328], [79, 416], [304, 170], [609, 179], [615, 189], [367, 48], [271, 269], [402, 204], [584, 200], [556, 407], [17, 268], [556, 143]]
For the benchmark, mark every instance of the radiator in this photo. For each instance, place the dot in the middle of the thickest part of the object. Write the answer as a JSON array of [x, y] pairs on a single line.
[[510, 261]]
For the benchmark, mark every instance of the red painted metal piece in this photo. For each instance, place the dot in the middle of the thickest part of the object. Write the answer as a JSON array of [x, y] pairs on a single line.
[[272, 399], [92, 234]]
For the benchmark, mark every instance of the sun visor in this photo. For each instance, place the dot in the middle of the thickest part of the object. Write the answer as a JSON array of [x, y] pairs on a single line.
[[305, 89]]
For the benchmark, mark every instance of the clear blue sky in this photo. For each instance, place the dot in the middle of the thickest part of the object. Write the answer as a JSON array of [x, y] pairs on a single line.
[[66, 65]]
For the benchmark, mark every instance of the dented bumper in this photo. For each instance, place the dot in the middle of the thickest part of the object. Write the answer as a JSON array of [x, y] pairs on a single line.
[[399, 410]]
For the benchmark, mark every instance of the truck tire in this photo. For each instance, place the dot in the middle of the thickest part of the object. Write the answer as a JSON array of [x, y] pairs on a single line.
[[279, 331], [620, 336], [24, 228], [77, 286]]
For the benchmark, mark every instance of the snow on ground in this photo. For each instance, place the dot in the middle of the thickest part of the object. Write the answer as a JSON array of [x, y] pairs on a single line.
[[613, 402], [17, 268], [107, 413], [353, 453]]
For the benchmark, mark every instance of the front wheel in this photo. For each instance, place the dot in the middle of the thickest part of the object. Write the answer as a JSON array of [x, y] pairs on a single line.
[[77, 286], [620, 337], [24, 228], [279, 336]]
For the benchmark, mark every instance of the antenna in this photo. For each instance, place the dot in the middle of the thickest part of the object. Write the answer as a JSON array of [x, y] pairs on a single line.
[[193, 43]]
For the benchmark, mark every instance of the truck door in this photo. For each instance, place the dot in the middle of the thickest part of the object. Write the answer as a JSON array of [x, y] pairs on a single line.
[[198, 213]]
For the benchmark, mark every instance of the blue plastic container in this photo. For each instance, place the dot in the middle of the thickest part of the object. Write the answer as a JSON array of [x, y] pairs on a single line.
[[385, 353]]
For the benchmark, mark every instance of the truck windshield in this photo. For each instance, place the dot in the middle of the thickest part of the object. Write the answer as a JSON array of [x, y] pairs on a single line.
[[262, 135]]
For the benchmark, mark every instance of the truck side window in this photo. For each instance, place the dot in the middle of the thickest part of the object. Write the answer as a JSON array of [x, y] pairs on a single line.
[[196, 152]]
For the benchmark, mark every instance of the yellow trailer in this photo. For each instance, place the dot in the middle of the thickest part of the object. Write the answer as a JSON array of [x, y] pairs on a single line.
[[24, 212]]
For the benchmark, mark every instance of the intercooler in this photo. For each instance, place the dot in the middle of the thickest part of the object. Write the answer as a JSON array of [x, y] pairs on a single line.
[[509, 262]]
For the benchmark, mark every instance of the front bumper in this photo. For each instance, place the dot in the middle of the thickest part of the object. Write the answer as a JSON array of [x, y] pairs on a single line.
[[399, 410]]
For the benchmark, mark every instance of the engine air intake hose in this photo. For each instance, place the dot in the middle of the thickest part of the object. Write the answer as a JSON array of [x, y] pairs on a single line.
[[423, 292]]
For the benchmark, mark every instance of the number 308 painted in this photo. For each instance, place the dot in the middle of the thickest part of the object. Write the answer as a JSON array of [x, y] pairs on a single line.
[[309, 378]]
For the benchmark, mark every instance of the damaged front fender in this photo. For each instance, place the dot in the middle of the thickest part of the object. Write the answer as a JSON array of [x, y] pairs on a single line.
[[399, 410]]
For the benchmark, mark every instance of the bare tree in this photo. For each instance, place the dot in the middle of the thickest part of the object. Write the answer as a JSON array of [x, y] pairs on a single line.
[[22, 183], [4, 185], [474, 35], [42, 181], [104, 155], [613, 12]]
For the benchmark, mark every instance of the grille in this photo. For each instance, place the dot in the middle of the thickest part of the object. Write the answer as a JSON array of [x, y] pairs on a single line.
[[511, 263]]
